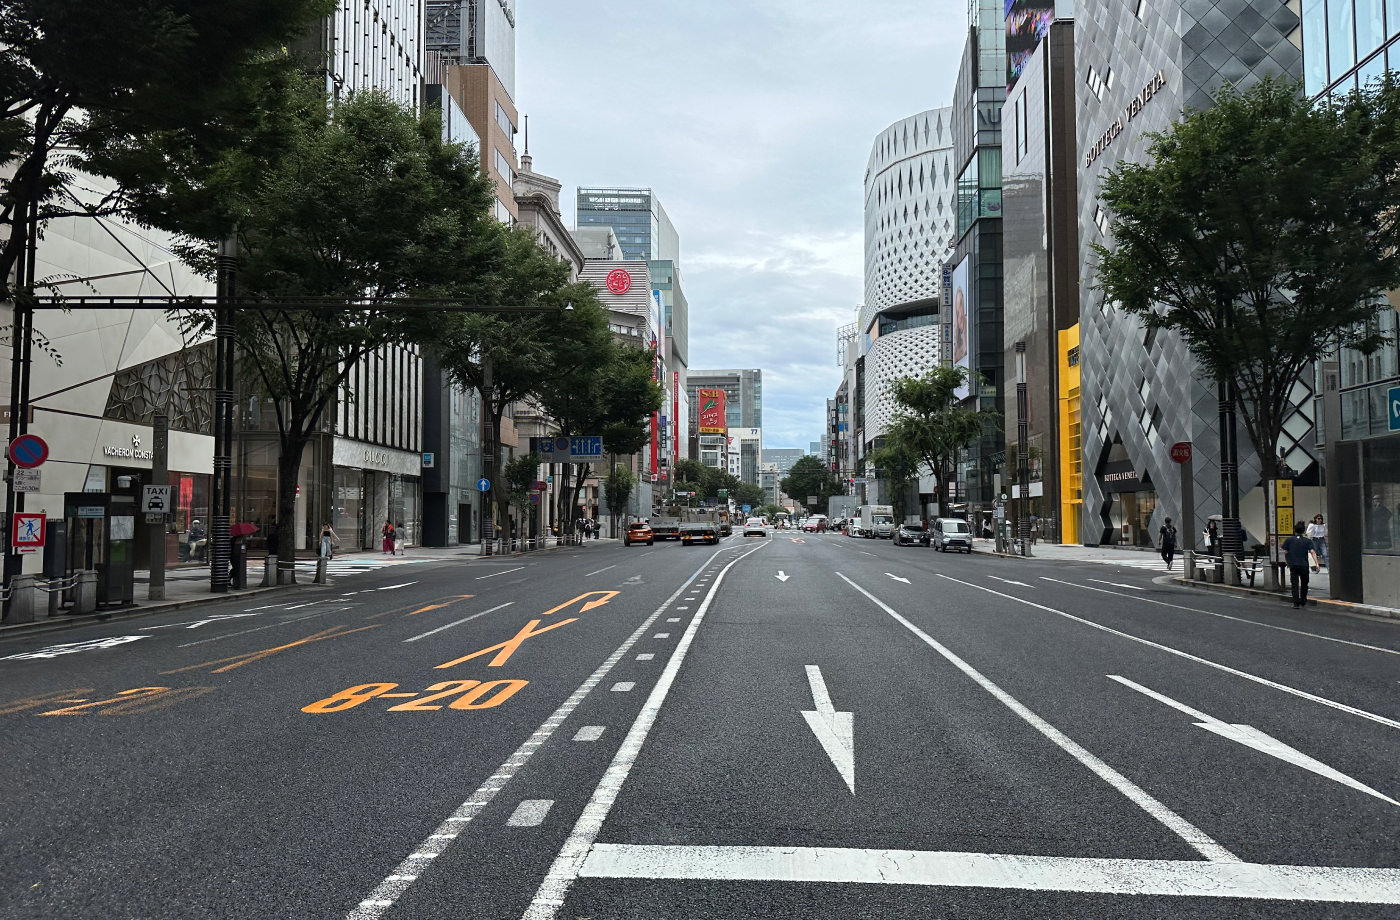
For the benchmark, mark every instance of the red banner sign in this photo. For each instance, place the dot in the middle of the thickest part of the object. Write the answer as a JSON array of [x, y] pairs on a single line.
[[710, 418]]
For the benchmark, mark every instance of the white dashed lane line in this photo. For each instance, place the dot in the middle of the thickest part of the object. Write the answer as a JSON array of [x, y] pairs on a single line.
[[590, 733], [623, 686], [530, 813]]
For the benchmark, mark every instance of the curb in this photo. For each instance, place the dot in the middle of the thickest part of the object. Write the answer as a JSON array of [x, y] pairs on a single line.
[[1324, 604], [73, 621]]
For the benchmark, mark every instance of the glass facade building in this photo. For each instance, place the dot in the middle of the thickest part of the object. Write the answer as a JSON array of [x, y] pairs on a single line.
[[1347, 43], [636, 216]]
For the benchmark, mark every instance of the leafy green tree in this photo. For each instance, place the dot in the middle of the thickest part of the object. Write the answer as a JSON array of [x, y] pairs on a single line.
[[1264, 232], [519, 474], [80, 78], [361, 202], [809, 477], [617, 489], [897, 463], [932, 423], [771, 511], [746, 493]]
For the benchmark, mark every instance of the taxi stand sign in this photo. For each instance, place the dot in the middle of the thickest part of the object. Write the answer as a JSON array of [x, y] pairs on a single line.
[[27, 532]]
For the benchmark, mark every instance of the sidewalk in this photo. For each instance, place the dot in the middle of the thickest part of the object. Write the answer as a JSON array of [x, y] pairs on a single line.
[[1149, 560]]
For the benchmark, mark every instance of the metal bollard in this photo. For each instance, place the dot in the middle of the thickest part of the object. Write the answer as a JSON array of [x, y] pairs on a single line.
[[85, 592], [269, 571], [22, 591], [320, 571]]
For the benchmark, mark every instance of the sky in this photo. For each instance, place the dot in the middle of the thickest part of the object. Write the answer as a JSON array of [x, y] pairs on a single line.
[[752, 120]]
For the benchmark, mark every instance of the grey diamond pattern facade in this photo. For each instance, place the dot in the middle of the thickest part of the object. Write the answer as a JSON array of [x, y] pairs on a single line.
[[1141, 392]]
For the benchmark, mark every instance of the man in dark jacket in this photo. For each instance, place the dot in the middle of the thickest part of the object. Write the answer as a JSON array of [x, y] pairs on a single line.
[[1297, 552]]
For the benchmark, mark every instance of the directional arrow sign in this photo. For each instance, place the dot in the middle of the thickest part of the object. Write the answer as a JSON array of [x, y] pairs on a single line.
[[602, 598], [835, 730], [897, 578], [1254, 738], [781, 577]]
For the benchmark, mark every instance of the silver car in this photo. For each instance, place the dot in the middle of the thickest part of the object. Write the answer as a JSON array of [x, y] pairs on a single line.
[[951, 533]]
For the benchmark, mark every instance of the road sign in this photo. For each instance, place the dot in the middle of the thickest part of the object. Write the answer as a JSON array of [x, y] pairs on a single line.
[[1393, 400], [540, 486], [429, 460], [586, 449], [534, 498], [28, 531], [155, 499], [26, 480], [748, 508], [1181, 451], [28, 451], [483, 484]]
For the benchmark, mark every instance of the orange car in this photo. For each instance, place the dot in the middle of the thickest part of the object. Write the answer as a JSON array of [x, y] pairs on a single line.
[[639, 532]]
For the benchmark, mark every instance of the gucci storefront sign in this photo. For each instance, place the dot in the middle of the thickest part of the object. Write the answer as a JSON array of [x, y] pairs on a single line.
[[134, 452]]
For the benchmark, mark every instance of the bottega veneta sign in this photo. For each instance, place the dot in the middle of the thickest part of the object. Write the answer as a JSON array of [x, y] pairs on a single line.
[[1135, 105]]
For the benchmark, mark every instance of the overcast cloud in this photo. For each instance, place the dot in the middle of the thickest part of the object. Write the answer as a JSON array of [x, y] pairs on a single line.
[[752, 120]]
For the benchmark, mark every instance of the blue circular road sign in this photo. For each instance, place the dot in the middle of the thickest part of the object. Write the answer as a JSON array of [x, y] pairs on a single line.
[[28, 451], [483, 484]]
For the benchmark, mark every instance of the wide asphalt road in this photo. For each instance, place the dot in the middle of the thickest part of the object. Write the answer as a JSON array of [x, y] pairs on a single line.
[[791, 726]]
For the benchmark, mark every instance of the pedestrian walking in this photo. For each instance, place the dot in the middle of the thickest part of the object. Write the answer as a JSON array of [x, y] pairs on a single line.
[[1166, 542], [1213, 538], [388, 533], [1317, 533], [593, 528], [1035, 529], [1299, 554], [401, 539], [329, 539]]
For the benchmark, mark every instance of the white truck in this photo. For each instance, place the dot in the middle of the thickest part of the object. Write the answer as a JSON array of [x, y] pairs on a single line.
[[877, 521]]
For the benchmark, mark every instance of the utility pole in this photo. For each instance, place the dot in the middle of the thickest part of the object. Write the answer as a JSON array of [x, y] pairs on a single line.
[[227, 269], [1023, 451], [160, 475], [21, 344]]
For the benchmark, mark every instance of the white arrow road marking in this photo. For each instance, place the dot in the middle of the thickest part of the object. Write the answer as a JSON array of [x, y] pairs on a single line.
[[1116, 584], [1254, 738], [897, 578], [835, 730], [781, 577], [1009, 581]]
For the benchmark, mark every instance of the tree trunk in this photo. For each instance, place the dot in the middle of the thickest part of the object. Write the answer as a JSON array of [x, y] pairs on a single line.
[[288, 469]]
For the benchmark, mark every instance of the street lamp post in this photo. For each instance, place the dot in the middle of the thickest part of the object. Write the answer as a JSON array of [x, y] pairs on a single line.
[[1023, 451]]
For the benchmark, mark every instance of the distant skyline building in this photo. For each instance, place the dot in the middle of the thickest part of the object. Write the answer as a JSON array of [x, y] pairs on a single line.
[[636, 215], [782, 458], [743, 391]]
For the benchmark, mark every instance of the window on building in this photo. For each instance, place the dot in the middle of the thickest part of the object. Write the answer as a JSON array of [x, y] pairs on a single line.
[[1341, 38], [504, 168], [503, 119]]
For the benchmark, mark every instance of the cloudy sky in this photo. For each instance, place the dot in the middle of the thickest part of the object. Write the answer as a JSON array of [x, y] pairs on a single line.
[[752, 120]]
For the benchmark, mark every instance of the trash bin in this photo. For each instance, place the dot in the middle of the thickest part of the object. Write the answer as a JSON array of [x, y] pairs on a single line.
[[238, 562]]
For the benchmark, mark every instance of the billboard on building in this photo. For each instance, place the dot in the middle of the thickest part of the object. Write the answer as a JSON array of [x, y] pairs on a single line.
[[710, 407], [962, 329], [1027, 22]]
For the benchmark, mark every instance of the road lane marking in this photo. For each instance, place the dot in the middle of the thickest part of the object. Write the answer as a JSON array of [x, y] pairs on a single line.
[[1253, 738], [897, 578], [868, 554], [1009, 581], [460, 622], [645, 656], [662, 636], [600, 571], [565, 869], [603, 597], [590, 733], [530, 813], [244, 632], [623, 686], [782, 576], [1197, 838], [405, 874], [1163, 877], [507, 648], [673, 619], [1114, 583], [1226, 616], [238, 661], [502, 572], [395, 587], [1302, 694], [835, 731]]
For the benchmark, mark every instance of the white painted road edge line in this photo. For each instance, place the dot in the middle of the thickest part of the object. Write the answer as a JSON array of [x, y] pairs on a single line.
[[550, 896], [1226, 616], [406, 873], [1197, 838], [1342, 707], [1180, 878], [460, 622]]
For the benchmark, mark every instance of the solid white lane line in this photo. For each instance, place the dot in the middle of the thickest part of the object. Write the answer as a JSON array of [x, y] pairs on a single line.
[[645, 656], [1302, 694], [307, 604], [394, 885], [268, 607], [502, 572], [590, 733], [1251, 737], [623, 686], [1163, 877], [460, 622], [530, 813], [1197, 838], [600, 571], [550, 896], [1226, 616], [1114, 583], [395, 587]]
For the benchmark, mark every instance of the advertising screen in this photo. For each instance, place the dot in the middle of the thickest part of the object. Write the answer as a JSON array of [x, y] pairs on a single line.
[[962, 329]]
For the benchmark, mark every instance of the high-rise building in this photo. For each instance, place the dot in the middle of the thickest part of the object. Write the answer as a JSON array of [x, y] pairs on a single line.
[[636, 215], [743, 409], [782, 458]]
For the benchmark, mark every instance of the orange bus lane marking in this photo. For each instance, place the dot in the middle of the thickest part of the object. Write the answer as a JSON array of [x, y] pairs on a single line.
[[603, 598], [449, 603], [45, 699], [238, 661], [137, 701], [507, 648], [471, 694]]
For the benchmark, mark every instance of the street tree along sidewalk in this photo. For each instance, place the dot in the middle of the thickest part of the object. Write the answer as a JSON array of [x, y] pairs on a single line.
[[1264, 233], [359, 202], [809, 477], [932, 423], [900, 466]]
